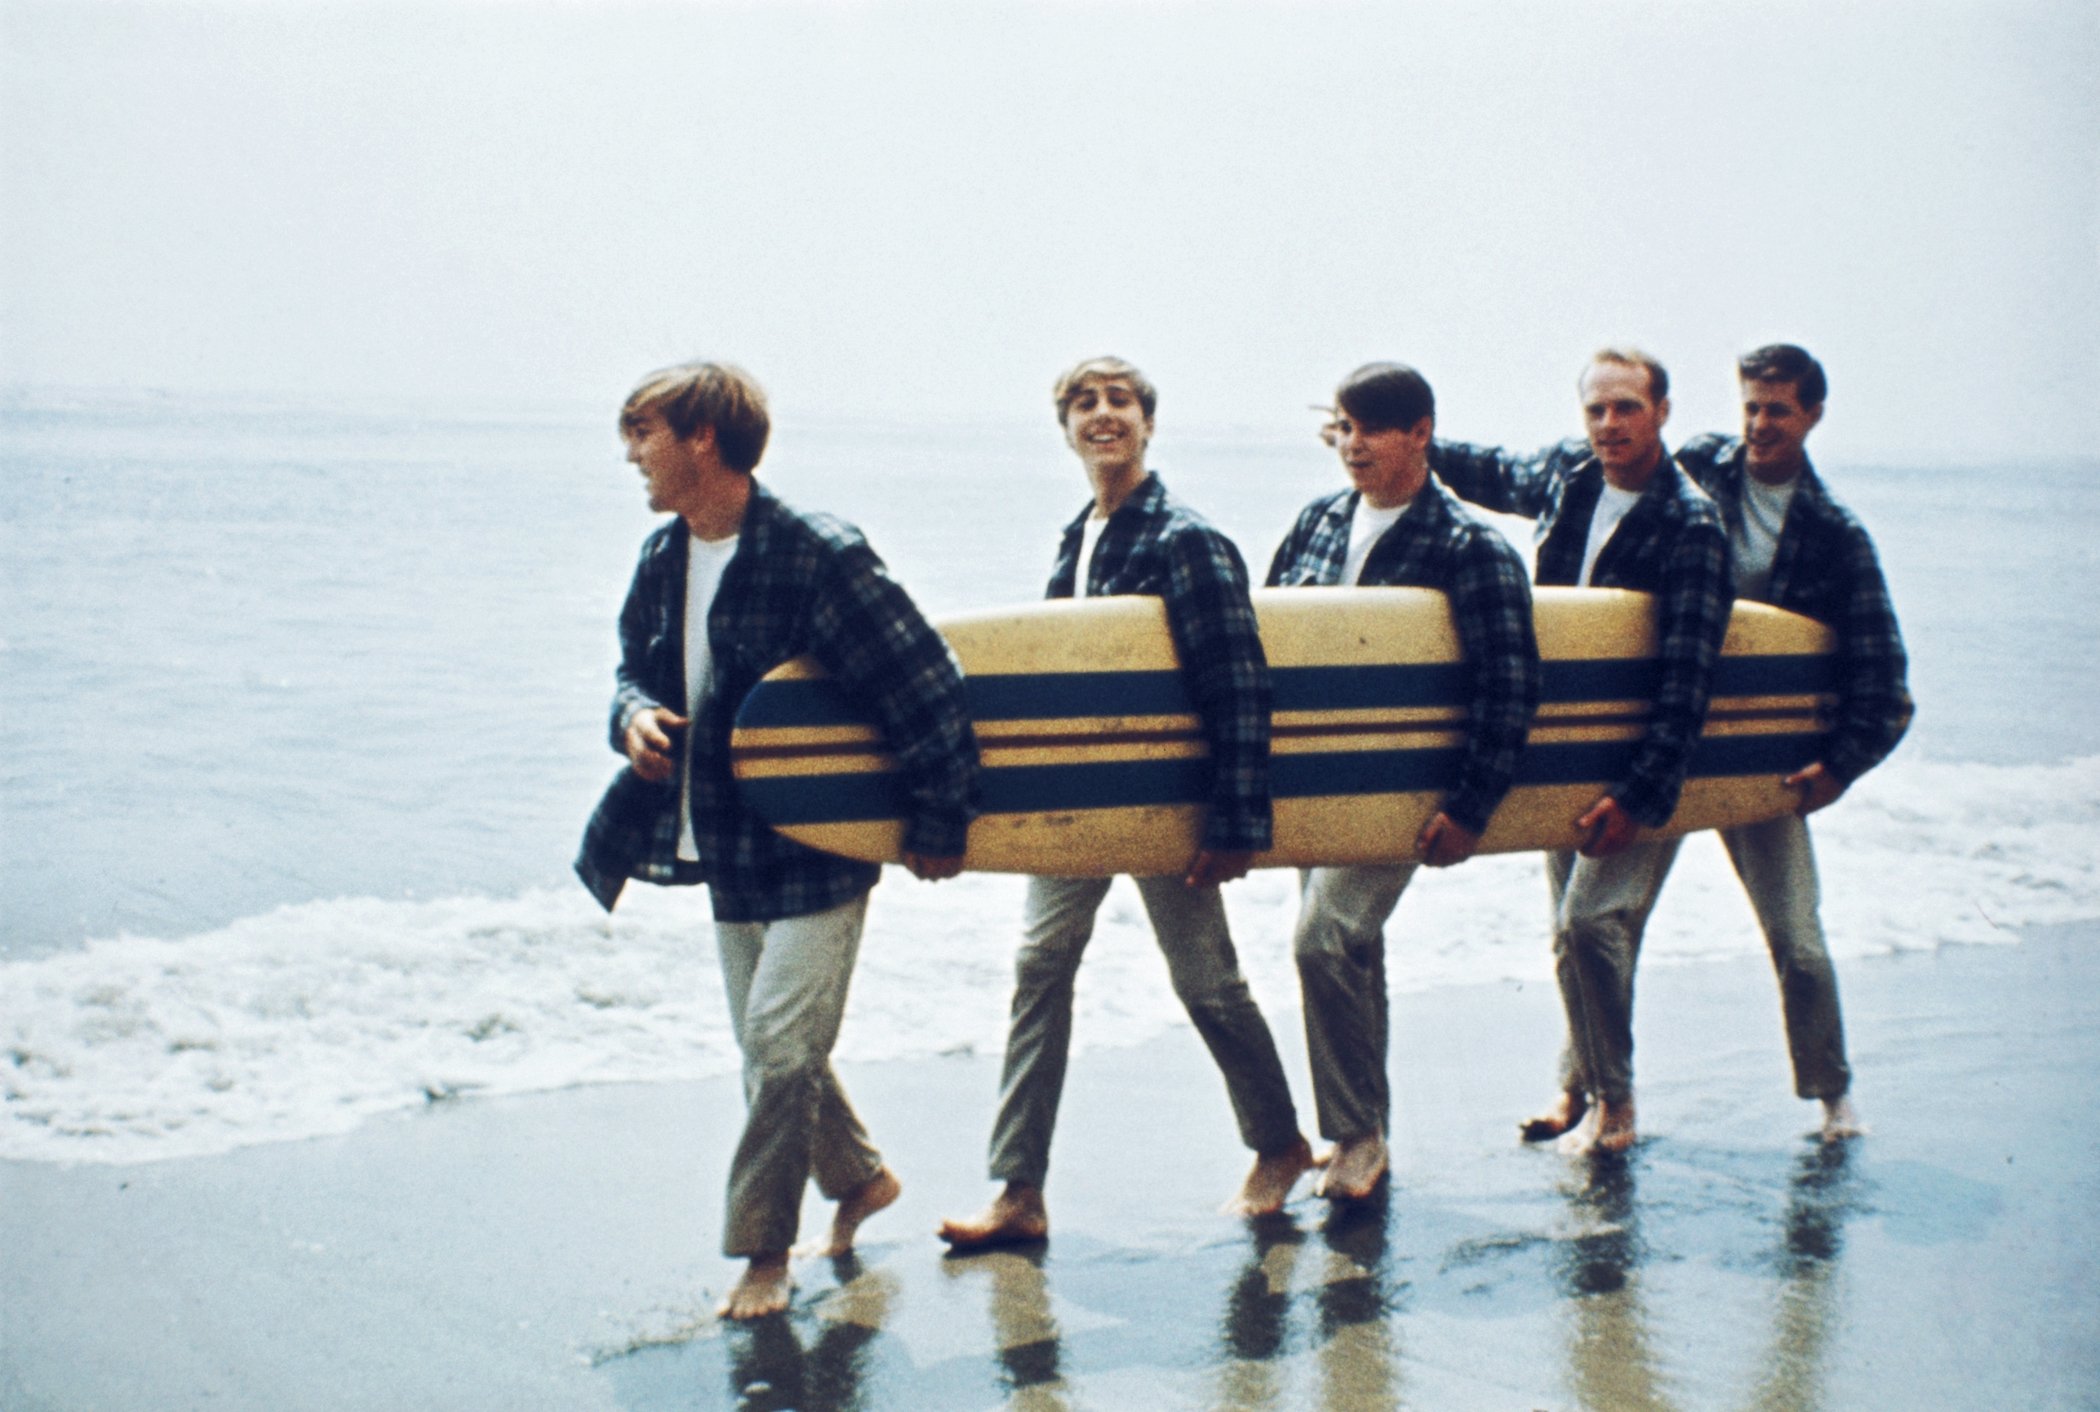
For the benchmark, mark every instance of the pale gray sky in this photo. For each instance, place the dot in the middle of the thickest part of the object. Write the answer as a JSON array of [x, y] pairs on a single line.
[[923, 211]]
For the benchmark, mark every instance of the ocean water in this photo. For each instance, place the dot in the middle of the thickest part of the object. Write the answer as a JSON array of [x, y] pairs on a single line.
[[302, 709]]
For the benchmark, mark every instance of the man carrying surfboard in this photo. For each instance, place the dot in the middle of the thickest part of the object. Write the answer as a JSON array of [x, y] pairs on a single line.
[[1613, 511], [1397, 527], [1793, 545], [1134, 538], [736, 584]]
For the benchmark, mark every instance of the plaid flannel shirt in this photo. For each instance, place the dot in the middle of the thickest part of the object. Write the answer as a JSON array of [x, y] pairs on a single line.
[[1826, 568], [1153, 545], [1436, 544], [799, 583], [1671, 544]]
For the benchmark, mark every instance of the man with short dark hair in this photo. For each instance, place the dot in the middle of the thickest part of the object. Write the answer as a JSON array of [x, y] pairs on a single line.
[[1795, 546], [1397, 527], [1134, 538], [1615, 512], [735, 585]]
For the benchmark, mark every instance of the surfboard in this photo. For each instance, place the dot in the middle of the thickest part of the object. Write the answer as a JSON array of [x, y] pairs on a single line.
[[1094, 762]]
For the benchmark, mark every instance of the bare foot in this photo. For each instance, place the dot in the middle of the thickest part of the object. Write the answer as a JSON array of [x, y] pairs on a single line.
[[1269, 1184], [1016, 1216], [856, 1206], [1356, 1167], [1607, 1128], [763, 1290], [1560, 1117], [1840, 1119], [1614, 1126]]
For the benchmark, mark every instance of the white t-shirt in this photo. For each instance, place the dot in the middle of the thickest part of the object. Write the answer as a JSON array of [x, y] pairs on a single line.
[[705, 561], [1365, 527], [1089, 541], [1753, 541], [1612, 505]]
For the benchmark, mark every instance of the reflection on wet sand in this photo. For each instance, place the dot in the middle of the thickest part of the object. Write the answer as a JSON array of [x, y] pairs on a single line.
[[1610, 1361], [1819, 1200], [771, 1371], [1359, 1303], [1024, 1330], [1346, 1319], [1313, 1305], [1256, 1329]]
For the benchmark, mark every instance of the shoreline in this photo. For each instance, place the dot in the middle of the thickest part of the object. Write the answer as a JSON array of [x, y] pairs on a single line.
[[559, 1250]]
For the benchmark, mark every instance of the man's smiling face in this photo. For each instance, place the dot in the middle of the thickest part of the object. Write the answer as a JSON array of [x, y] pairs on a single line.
[[1624, 418], [1775, 426], [1106, 423]]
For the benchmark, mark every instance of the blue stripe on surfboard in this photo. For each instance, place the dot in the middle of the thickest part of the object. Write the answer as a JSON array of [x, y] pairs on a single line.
[[1057, 695], [1360, 688], [788, 800], [1637, 680]]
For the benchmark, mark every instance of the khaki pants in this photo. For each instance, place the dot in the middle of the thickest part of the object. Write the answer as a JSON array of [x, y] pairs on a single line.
[[1601, 909], [1339, 945], [1190, 926], [1776, 861], [787, 985]]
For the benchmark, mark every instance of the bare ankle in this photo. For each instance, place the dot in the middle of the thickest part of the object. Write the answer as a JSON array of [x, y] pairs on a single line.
[[1615, 1125], [1022, 1199], [1269, 1182], [877, 1193], [1355, 1168], [1016, 1216], [1840, 1119]]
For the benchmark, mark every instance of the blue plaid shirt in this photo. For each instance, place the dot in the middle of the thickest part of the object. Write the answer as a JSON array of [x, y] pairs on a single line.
[[1825, 567], [1436, 544], [799, 583], [1671, 544], [1155, 546]]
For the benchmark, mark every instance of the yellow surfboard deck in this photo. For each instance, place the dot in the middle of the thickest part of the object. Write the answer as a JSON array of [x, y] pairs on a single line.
[[1094, 763]]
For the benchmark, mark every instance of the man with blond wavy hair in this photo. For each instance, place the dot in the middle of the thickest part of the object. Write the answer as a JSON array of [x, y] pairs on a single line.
[[736, 583]]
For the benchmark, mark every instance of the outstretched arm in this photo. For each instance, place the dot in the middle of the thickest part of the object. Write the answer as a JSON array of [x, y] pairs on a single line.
[[1501, 480]]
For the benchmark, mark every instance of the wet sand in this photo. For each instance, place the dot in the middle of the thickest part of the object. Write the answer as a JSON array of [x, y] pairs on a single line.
[[559, 1251]]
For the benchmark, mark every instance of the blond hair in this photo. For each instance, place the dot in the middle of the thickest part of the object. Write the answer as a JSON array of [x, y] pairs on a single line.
[[1627, 356], [690, 396], [1068, 385]]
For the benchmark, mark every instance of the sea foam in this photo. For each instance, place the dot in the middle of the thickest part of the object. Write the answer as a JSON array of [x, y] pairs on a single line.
[[306, 1020]]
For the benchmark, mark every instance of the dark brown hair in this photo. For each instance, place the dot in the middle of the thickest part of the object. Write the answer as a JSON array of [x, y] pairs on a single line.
[[1784, 362], [1386, 397]]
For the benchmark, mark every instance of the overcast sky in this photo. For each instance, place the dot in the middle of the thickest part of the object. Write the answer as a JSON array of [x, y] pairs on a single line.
[[924, 211]]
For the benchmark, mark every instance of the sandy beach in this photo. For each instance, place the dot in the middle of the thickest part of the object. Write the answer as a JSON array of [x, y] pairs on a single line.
[[559, 1251]]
